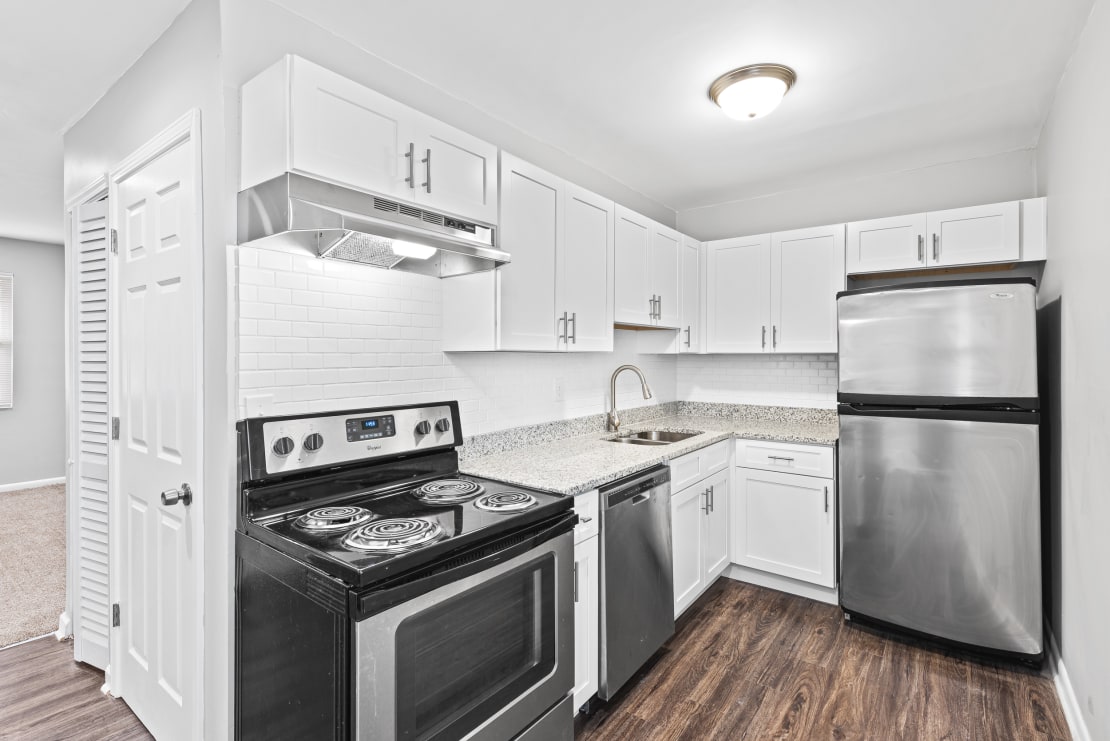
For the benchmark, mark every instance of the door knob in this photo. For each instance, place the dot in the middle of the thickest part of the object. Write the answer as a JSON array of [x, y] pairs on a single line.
[[184, 495]]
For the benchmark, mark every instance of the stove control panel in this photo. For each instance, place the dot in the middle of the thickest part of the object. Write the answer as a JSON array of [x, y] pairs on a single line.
[[299, 443]]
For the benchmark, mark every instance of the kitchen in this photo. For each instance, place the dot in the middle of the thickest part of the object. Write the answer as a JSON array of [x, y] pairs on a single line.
[[311, 336]]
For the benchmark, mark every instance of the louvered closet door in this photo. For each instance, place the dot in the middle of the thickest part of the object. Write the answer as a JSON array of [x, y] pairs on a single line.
[[91, 611]]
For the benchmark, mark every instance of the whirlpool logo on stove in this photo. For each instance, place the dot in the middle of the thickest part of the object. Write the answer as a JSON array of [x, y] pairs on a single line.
[[373, 447]]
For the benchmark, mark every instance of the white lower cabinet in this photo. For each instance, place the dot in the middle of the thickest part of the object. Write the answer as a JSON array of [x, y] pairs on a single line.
[[785, 523], [587, 585], [699, 528]]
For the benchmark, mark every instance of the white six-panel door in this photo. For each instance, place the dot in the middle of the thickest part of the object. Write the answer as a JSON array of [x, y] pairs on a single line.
[[157, 556]]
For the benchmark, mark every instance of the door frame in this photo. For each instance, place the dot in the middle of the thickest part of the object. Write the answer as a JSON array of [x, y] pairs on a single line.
[[184, 129], [95, 191]]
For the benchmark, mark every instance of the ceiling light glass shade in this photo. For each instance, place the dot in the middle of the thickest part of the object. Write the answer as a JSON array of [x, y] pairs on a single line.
[[752, 91], [411, 249]]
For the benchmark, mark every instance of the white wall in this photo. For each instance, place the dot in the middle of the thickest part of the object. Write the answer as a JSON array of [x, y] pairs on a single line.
[[179, 72], [320, 335], [786, 380], [1073, 168], [32, 432], [1001, 177]]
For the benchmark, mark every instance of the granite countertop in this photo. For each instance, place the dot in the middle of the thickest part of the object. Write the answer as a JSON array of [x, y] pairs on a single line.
[[577, 464]]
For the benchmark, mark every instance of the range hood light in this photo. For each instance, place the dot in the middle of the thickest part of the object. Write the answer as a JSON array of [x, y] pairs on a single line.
[[413, 250]]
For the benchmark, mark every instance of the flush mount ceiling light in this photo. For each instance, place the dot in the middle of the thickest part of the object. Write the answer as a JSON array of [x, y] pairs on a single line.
[[752, 91]]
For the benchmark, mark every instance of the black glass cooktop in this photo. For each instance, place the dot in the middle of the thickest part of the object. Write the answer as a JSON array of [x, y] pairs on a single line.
[[397, 521]]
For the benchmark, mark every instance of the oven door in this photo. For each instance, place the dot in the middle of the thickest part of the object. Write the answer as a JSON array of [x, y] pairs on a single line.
[[479, 650]]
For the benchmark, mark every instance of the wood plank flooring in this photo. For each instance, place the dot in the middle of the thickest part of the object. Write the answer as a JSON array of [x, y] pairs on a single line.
[[46, 695], [752, 663]]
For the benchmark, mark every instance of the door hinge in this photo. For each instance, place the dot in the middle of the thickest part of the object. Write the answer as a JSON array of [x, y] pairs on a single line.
[[115, 242], [115, 614], [115, 428]]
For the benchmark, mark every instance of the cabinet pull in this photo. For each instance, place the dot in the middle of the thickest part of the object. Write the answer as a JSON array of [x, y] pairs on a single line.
[[687, 335], [936, 246], [659, 308], [651, 303], [427, 170], [573, 334], [774, 335], [826, 498], [781, 458], [921, 248], [563, 332], [583, 519], [705, 501], [763, 338], [712, 499], [575, 581], [411, 157]]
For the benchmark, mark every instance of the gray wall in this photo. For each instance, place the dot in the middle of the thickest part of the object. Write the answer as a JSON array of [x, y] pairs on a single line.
[[32, 432], [179, 72], [1073, 160], [1001, 177]]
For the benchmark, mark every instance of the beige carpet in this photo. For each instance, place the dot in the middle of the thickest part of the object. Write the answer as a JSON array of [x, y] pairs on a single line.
[[32, 562]]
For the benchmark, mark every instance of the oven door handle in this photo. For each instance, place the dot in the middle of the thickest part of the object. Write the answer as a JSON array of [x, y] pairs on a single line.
[[410, 586]]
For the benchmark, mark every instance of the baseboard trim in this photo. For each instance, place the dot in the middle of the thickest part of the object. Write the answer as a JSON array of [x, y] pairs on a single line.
[[31, 484], [830, 596], [1070, 703], [65, 627]]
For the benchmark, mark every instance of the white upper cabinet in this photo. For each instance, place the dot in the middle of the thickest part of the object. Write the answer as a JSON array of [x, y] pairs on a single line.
[[647, 272], [556, 293], [807, 270], [690, 264], [300, 117], [893, 243], [977, 235], [738, 294]]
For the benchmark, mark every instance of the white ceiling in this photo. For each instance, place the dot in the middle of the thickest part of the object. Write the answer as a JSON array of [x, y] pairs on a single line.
[[57, 58], [621, 84]]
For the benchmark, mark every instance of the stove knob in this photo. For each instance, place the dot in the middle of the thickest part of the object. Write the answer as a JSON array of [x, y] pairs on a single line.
[[443, 425], [313, 442], [423, 428], [283, 446]]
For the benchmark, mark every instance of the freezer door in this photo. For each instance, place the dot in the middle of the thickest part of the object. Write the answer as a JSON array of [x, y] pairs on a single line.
[[959, 342], [940, 528]]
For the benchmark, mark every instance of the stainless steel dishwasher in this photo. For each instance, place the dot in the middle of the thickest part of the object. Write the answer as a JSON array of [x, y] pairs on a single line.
[[637, 589]]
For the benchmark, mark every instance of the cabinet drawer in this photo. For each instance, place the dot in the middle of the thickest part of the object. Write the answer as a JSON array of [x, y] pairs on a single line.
[[585, 506], [692, 467], [810, 460]]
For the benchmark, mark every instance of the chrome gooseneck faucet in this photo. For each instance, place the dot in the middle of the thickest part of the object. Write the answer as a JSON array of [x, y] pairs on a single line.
[[613, 420]]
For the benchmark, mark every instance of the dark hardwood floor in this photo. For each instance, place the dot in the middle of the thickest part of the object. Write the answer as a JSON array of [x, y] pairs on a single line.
[[752, 663], [46, 696]]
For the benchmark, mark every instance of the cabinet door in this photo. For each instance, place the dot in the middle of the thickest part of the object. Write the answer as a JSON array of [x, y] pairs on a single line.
[[878, 245], [738, 301], [689, 336], [783, 524], [455, 172], [715, 543], [531, 223], [807, 270], [687, 513], [344, 132], [965, 236], [585, 285], [665, 275], [586, 595], [633, 290]]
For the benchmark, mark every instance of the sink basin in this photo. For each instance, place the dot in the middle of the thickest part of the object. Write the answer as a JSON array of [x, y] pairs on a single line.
[[652, 437]]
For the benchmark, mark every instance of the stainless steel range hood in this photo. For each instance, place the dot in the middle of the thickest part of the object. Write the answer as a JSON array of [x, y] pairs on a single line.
[[340, 223]]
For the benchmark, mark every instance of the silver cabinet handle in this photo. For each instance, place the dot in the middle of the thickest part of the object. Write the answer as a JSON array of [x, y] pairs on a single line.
[[651, 303], [774, 335], [712, 499], [659, 306], [705, 500], [184, 495], [411, 157], [826, 498], [583, 519], [687, 335], [763, 338], [575, 581], [427, 170], [563, 332], [573, 334], [781, 458], [921, 248], [936, 246]]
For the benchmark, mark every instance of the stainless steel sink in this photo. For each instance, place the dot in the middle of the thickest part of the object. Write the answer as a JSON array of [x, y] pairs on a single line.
[[652, 437]]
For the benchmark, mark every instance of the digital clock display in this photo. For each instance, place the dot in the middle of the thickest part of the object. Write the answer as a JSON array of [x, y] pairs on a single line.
[[369, 424], [371, 428]]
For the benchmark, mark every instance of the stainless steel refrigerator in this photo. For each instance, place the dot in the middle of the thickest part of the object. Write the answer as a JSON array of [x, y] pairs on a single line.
[[939, 462]]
